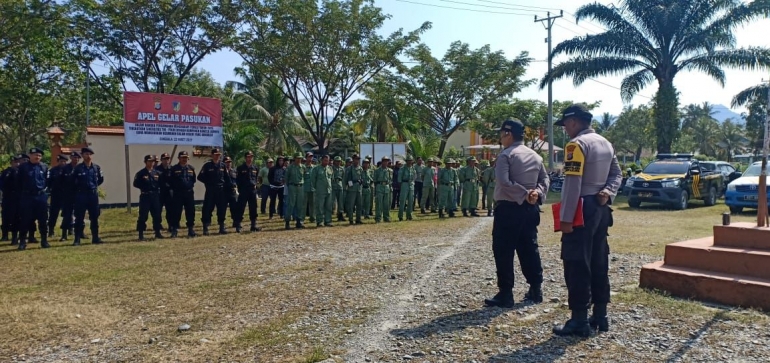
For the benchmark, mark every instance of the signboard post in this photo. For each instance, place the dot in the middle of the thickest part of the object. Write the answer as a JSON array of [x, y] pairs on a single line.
[[762, 200], [167, 119]]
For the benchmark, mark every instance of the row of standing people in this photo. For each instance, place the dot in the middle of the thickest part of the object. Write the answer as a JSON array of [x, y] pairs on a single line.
[[73, 189]]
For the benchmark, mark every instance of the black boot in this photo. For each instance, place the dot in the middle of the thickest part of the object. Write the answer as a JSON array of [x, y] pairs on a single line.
[[238, 228], [422, 211], [489, 212], [340, 217], [44, 241], [473, 213], [5, 236], [301, 225], [535, 294], [502, 299], [205, 229], [598, 320], [190, 232], [577, 325], [441, 213], [63, 235], [50, 232], [174, 232], [451, 213], [14, 238], [158, 235], [254, 227], [141, 236], [32, 238], [465, 212], [22, 243], [222, 229], [77, 238], [287, 225]]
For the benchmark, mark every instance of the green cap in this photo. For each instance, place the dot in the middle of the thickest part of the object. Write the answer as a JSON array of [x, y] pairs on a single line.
[[299, 155], [409, 158], [337, 158], [471, 158]]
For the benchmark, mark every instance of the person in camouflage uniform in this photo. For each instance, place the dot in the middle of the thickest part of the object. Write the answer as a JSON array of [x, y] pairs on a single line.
[[383, 178], [406, 175], [366, 188], [337, 189], [488, 177], [321, 178], [353, 179], [446, 189], [469, 177], [428, 187], [294, 180]]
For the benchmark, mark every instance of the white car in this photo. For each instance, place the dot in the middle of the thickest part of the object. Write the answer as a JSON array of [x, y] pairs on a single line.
[[744, 191]]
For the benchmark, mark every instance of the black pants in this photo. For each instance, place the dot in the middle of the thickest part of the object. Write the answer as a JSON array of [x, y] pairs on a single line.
[[585, 253], [418, 194], [247, 197], [236, 213], [515, 231], [56, 206], [184, 200], [276, 193], [33, 208], [264, 193], [87, 201], [214, 197], [484, 196], [166, 201], [10, 214], [68, 210], [149, 203], [396, 198]]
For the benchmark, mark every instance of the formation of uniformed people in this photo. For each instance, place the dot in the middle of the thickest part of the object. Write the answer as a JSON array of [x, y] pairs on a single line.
[[73, 189]]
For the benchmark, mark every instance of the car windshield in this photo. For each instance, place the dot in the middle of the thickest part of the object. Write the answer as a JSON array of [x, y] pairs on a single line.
[[709, 167], [667, 167], [753, 170]]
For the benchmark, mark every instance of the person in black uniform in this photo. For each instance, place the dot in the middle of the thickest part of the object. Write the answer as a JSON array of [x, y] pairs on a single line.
[[56, 189], [68, 200], [247, 189], [231, 193], [164, 168], [32, 226], [32, 184], [148, 182], [212, 175], [88, 177], [522, 185], [276, 179], [10, 216], [182, 182]]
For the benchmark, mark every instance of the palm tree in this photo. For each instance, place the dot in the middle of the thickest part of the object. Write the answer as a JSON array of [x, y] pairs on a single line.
[[654, 40], [423, 144], [731, 138], [606, 122], [756, 99], [705, 134], [378, 113]]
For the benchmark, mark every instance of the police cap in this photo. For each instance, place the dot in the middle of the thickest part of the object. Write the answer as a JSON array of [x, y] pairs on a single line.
[[248, 153], [513, 126], [150, 158], [367, 161], [309, 153], [87, 150], [75, 154], [61, 157], [355, 156], [183, 154], [215, 151], [579, 110], [228, 159], [164, 156], [35, 150]]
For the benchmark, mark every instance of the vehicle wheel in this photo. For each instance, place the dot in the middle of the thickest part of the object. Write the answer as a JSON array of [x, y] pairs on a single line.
[[711, 199], [683, 198], [736, 210], [634, 203]]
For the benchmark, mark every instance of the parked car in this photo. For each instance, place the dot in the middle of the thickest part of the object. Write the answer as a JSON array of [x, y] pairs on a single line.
[[725, 168], [743, 192]]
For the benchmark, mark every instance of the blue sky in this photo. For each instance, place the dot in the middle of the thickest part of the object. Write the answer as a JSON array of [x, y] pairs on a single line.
[[509, 25]]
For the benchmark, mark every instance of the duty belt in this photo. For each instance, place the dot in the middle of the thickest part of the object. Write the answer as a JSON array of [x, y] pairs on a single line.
[[150, 192], [365, 186], [30, 192], [383, 183], [447, 183], [86, 190]]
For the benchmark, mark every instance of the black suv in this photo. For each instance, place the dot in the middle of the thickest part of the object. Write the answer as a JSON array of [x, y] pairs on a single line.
[[674, 179], [727, 170]]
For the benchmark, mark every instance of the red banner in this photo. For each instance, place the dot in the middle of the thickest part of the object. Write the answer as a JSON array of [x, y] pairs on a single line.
[[158, 118]]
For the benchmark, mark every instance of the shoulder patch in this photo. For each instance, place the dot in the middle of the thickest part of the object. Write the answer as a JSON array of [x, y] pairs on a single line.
[[574, 159]]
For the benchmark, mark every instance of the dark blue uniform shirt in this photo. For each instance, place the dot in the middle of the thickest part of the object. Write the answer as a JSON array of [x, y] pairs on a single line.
[[212, 174], [68, 178], [88, 178], [56, 179], [32, 178], [247, 176], [182, 177]]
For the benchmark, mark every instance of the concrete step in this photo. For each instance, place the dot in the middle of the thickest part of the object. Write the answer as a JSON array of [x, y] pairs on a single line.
[[729, 289], [701, 254], [742, 235]]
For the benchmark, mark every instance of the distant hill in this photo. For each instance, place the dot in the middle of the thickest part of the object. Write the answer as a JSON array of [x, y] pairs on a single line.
[[722, 113]]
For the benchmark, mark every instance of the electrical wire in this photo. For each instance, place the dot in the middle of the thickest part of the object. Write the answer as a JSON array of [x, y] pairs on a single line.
[[454, 8]]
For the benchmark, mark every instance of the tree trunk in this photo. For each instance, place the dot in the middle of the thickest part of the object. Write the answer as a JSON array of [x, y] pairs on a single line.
[[441, 148], [638, 154], [666, 115]]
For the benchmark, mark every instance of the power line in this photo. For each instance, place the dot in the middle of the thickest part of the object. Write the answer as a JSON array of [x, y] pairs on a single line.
[[454, 8], [485, 6], [611, 86], [548, 22], [516, 5], [586, 22]]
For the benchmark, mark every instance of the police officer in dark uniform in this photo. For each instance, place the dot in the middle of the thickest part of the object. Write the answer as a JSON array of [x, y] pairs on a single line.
[[164, 168], [88, 177], [11, 218], [182, 182], [68, 201], [212, 175], [592, 174], [522, 184], [32, 184], [231, 194], [148, 181], [56, 189], [247, 189]]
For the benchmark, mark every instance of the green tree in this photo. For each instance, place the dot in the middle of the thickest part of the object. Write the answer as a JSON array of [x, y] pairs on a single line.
[[632, 131], [25, 21], [379, 114], [455, 89], [605, 123], [152, 45], [755, 99], [730, 139], [322, 53], [654, 40]]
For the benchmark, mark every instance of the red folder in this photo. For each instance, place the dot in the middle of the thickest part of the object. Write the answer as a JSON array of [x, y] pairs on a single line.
[[576, 222]]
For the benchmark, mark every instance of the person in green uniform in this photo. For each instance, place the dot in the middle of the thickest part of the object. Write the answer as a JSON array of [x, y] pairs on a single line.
[[406, 175], [366, 188], [370, 213], [337, 191], [428, 187], [321, 178], [264, 185], [308, 207], [456, 187], [488, 178], [353, 179], [294, 180], [446, 189], [348, 163], [383, 177], [469, 177]]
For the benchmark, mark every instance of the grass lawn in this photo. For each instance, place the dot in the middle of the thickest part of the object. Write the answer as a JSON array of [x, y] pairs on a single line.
[[246, 295]]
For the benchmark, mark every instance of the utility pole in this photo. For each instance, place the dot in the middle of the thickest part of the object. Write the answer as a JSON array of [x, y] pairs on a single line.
[[88, 95], [550, 20], [762, 220]]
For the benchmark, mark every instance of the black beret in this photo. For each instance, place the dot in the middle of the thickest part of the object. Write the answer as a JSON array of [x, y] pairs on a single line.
[[86, 150]]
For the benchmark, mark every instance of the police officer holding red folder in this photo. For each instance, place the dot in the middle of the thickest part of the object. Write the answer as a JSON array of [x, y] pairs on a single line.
[[593, 174], [521, 187]]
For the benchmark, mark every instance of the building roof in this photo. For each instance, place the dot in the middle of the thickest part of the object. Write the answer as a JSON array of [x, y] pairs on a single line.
[[105, 130], [66, 150], [55, 130]]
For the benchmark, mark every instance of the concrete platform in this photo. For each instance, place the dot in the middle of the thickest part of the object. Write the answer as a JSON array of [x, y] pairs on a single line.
[[710, 286], [702, 254], [742, 234]]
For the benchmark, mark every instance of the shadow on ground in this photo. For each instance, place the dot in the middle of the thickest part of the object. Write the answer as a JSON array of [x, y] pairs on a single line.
[[452, 323], [544, 352]]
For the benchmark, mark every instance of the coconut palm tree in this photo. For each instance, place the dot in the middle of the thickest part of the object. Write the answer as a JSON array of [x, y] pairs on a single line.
[[606, 122], [378, 113], [731, 139], [654, 40], [756, 100]]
